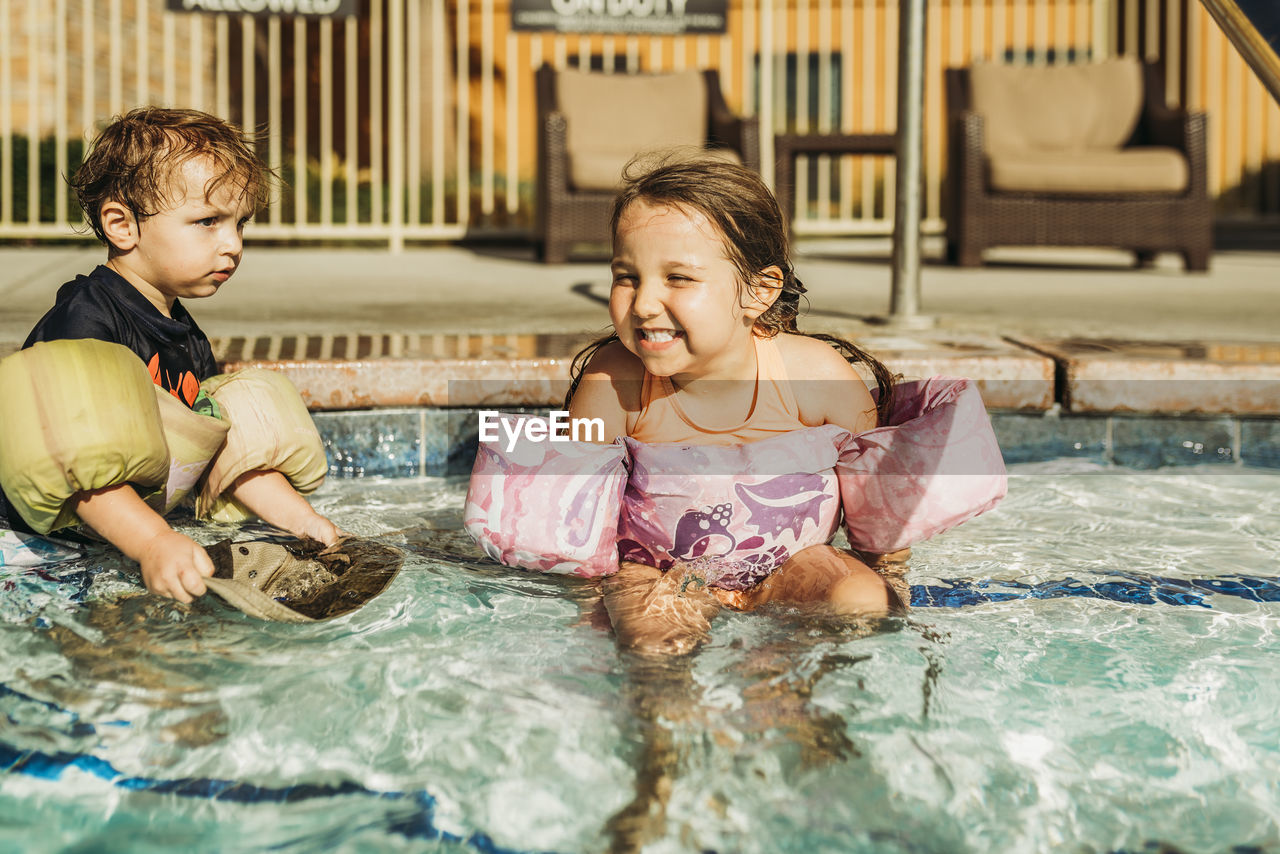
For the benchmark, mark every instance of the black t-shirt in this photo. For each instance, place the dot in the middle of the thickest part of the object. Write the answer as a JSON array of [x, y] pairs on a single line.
[[103, 305]]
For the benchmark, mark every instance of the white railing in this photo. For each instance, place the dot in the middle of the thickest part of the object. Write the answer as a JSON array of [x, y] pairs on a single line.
[[372, 120]]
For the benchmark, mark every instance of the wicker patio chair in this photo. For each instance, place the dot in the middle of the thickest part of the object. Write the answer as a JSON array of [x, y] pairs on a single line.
[[590, 124], [1074, 155]]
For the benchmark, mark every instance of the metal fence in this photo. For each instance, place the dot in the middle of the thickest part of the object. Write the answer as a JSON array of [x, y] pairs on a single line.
[[414, 120]]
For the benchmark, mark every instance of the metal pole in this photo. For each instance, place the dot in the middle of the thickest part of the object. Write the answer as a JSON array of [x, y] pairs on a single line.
[[904, 301]]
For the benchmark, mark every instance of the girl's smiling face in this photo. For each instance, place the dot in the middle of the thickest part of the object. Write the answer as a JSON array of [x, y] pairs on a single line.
[[677, 300]]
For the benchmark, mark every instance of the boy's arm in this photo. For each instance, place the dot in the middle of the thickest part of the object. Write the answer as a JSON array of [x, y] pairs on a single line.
[[270, 497], [172, 564]]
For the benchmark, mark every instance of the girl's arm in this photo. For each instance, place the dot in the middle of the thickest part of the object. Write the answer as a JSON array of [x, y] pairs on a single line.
[[827, 387], [610, 390]]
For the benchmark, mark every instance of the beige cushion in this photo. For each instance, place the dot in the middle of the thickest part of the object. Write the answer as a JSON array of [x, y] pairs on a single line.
[[603, 171], [1129, 170], [1063, 107], [612, 117]]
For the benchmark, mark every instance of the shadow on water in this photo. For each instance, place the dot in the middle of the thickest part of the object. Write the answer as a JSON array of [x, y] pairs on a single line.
[[132, 650], [450, 549], [671, 723], [657, 690]]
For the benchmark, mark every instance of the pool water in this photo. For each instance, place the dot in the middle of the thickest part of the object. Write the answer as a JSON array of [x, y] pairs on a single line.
[[1089, 667]]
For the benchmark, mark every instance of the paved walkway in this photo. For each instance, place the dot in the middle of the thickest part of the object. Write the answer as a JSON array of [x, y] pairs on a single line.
[[305, 291]]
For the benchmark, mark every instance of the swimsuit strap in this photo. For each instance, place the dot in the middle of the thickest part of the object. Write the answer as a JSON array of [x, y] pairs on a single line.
[[773, 409]]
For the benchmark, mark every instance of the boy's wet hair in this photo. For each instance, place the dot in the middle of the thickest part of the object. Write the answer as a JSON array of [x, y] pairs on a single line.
[[737, 201], [135, 158]]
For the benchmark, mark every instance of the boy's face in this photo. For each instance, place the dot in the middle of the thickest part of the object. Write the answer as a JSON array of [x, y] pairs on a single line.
[[190, 247]]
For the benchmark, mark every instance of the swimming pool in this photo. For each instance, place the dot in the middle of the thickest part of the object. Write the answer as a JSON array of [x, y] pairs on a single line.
[[1087, 667]]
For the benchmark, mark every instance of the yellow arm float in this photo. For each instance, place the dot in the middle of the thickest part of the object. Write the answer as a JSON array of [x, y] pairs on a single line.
[[271, 430], [83, 414]]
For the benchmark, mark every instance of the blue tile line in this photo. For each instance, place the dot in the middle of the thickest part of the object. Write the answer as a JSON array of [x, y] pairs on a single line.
[[78, 728], [1133, 589], [419, 825]]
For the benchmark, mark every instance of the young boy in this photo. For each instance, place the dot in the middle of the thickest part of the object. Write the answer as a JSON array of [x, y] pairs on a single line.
[[168, 192]]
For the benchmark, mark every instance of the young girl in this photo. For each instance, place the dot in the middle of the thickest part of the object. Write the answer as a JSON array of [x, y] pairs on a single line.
[[705, 351]]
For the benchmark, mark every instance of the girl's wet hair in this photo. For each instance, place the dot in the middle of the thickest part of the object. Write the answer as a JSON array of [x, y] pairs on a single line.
[[135, 158], [737, 201]]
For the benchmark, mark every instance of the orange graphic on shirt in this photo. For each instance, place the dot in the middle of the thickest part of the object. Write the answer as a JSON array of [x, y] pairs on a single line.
[[185, 389]]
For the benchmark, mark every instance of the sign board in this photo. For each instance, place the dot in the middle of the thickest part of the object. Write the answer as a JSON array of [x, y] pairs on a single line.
[[297, 8], [629, 17]]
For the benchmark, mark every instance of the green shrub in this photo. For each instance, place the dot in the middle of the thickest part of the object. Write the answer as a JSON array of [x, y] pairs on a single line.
[[50, 182]]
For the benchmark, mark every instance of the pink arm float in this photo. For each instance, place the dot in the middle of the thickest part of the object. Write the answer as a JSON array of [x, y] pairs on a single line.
[[740, 510]]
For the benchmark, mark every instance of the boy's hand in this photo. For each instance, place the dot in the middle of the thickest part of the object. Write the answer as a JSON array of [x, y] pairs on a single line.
[[319, 528], [174, 565]]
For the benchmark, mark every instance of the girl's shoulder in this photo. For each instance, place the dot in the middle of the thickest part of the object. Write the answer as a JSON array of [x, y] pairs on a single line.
[[828, 389], [811, 359], [615, 362], [610, 388]]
